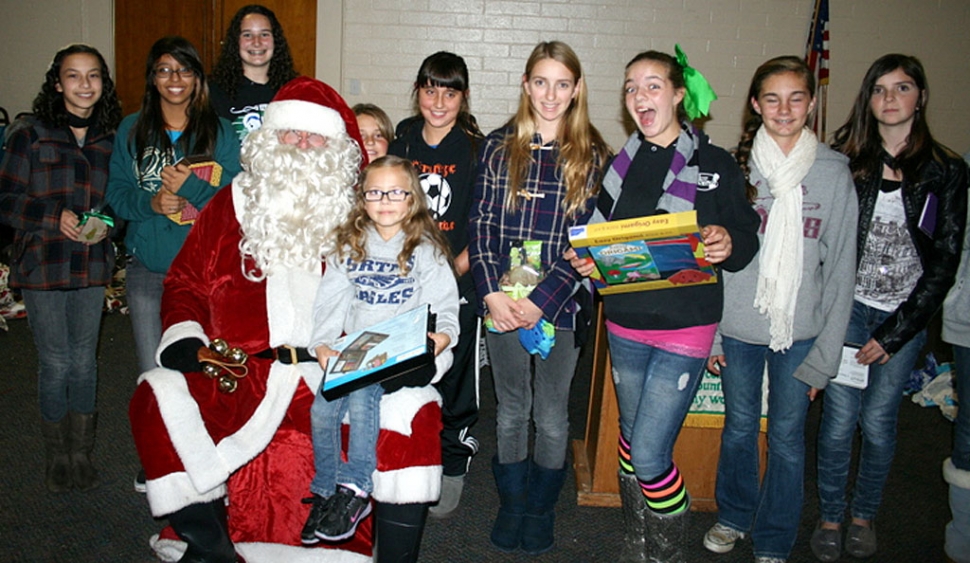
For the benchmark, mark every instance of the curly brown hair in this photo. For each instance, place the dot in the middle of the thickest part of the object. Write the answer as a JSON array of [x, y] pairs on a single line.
[[229, 68], [49, 103]]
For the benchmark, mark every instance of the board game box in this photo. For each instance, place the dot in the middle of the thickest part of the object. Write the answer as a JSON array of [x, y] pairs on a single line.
[[389, 349], [644, 253]]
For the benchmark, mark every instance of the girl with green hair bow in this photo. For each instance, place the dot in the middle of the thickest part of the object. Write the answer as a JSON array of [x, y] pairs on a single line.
[[660, 340]]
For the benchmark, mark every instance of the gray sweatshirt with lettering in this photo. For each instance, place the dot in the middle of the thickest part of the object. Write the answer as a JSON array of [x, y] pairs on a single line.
[[356, 295], [829, 214]]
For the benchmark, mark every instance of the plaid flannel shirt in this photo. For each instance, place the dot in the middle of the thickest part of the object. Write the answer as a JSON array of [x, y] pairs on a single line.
[[539, 216], [44, 172]]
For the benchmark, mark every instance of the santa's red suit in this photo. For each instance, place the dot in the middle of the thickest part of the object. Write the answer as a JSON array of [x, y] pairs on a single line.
[[198, 444]]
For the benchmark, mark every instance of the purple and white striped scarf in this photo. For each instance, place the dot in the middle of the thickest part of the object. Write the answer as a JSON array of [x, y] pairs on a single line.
[[680, 184]]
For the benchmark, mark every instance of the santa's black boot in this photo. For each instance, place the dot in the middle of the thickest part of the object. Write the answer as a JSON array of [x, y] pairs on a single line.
[[204, 528], [399, 528]]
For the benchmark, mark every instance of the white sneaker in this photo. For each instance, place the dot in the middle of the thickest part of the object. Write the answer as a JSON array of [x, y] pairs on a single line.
[[721, 538], [763, 559]]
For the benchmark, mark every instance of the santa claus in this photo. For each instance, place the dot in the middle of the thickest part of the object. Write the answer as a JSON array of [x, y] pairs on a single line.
[[234, 438]]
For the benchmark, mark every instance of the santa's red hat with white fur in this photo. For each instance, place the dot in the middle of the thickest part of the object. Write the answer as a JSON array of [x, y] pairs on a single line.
[[306, 104]]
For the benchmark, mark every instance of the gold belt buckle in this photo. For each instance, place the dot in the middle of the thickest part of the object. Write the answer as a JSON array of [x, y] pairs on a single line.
[[294, 357]]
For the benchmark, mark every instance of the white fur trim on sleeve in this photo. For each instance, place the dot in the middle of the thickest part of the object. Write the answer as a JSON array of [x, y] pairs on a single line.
[[954, 476], [180, 331]]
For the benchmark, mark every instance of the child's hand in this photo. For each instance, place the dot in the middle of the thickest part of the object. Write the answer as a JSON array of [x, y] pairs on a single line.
[[441, 341], [583, 266], [165, 202], [530, 312], [324, 353], [68, 225], [506, 312], [717, 243], [174, 176]]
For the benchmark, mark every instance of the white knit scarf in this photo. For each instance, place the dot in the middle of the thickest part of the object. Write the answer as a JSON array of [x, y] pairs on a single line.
[[780, 271]]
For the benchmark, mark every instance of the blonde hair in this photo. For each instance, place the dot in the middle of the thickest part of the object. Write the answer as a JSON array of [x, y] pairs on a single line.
[[581, 147], [418, 226], [380, 116]]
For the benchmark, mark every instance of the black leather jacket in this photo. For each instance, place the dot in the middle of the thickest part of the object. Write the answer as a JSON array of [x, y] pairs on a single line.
[[946, 177]]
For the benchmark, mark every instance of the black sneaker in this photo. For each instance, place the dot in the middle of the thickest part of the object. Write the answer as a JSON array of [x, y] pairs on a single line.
[[317, 513], [345, 512], [140, 486]]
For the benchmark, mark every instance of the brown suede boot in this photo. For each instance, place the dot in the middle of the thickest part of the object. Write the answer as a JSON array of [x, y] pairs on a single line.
[[57, 474], [83, 474]]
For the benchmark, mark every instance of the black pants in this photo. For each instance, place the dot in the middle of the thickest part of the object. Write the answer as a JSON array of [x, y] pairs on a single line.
[[459, 394]]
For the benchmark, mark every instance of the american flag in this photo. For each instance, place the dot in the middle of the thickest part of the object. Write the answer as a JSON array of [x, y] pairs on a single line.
[[817, 57]]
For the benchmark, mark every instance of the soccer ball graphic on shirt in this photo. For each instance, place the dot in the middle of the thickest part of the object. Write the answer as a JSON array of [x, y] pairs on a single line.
[[438, 191]]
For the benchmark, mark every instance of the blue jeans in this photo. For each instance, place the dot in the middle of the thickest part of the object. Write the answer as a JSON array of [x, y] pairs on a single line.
[[364, 406], [654, 391], [65, 325], [961, 429], [773, 511], [875, 410], [544, 395], [143, 289]]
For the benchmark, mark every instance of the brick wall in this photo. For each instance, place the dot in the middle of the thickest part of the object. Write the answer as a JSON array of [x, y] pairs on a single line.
[[384, 42], [377, 46]]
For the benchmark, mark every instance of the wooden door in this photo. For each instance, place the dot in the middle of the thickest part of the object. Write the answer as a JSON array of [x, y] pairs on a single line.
[[299, 21], [139, 23]]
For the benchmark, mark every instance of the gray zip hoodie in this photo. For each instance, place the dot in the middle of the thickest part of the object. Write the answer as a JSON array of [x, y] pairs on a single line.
[[355, 295], [824, 304]]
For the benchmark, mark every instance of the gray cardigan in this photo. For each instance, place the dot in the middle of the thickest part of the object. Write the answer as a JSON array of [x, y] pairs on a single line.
[[824, 304], [956, 308]]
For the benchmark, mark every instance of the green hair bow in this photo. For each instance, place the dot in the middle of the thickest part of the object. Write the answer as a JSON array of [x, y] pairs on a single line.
[[699, 95]]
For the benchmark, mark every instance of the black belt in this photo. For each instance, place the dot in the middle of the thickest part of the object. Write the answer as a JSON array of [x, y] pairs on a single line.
[[286, 355]]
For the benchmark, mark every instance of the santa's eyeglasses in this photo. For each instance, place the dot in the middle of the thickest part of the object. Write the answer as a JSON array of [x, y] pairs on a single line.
[[394, 195], [294, 137]]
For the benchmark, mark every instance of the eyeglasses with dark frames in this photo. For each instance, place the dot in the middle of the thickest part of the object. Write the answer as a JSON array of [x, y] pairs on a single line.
[[165, 72], [394, 195]]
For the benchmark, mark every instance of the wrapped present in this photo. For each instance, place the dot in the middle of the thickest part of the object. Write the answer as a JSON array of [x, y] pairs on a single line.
[[206, 169]]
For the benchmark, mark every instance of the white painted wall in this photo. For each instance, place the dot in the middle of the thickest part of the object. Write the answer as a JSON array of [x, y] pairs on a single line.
[[378, 45], [384, 42], [32, 31]]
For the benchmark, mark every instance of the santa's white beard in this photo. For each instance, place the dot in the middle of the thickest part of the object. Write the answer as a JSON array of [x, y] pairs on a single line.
[[294, 198]]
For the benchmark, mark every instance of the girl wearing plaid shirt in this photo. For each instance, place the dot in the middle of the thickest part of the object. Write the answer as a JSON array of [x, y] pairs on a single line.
[[537, 175], [54, 170]]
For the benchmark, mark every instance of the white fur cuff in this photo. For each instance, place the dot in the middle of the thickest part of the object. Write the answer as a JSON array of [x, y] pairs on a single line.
[[954, 476]]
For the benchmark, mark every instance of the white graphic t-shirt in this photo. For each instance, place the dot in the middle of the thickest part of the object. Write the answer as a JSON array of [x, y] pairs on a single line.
[[890, 265]]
